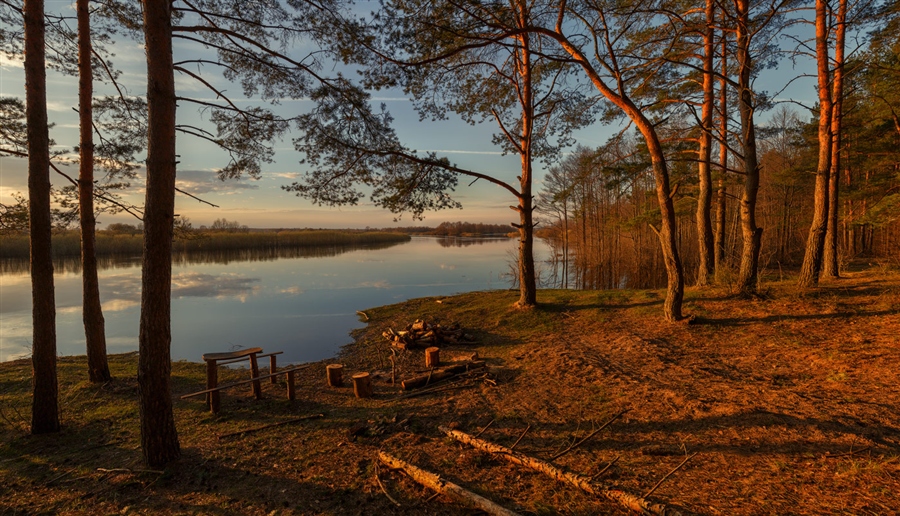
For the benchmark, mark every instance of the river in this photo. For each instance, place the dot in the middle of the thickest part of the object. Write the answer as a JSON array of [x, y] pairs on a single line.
[[302, 301]]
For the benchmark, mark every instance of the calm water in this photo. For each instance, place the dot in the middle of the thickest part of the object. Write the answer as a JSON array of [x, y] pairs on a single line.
[[302, 302]]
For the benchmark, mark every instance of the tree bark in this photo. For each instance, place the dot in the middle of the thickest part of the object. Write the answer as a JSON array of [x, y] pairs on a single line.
[[527, 280], [751, 234], [92, 313], [159, 439], [830, 267], [706, 267], [721, 195], [45, 404], [815, 242]]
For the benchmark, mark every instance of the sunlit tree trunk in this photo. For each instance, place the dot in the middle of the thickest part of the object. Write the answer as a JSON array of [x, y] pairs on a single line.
[[45, 405], [706, 268], [750, 232], [830, 266], [527, 280], [812, 259], [721, 194], [92, 313], [159, 439]]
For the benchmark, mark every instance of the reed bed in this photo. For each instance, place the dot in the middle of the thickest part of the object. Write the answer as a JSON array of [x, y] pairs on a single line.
[[69, 243]]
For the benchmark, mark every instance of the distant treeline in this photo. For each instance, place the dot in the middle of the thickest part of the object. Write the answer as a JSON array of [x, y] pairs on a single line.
[[67, 243], [469, 229]]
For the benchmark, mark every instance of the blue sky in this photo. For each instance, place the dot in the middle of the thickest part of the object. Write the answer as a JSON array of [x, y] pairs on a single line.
[[262, 203]]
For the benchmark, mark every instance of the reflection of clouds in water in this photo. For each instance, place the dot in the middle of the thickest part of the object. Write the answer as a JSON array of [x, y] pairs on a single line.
[[17, 335], [375, 284], [121, 344], [291, 290], [119, 305], [195, 284], [448, 267], [124, 290], [369, 260]]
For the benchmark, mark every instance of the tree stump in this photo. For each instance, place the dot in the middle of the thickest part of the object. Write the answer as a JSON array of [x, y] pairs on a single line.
[[362, 385], [432, 357], [335, 375]]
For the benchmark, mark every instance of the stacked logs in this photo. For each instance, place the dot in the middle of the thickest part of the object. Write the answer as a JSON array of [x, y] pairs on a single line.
[[423, 334]]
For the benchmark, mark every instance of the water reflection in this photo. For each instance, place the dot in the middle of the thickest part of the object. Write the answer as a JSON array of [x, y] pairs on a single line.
[[467, 241], [302, 301], [72, 264]]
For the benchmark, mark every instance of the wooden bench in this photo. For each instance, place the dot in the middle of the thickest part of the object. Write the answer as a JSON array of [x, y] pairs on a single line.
[[213, 393], [214, 360]]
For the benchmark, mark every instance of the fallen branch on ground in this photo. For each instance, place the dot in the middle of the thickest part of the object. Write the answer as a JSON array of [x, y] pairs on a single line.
[[630, 501], [439, 374], [443, 486], [592, 434]]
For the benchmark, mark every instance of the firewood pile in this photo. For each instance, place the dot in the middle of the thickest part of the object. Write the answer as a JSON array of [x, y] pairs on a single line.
[[424, 334]]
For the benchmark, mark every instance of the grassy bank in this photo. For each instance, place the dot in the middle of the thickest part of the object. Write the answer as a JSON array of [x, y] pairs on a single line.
[[69, 243], [789, 400]]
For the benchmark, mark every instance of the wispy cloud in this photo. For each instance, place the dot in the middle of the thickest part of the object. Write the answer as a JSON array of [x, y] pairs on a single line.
[[458, 151]]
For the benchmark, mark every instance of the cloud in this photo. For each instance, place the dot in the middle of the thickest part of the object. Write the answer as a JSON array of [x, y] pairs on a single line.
[[284, 175], [452, 151], [206, 181], [6, 62]]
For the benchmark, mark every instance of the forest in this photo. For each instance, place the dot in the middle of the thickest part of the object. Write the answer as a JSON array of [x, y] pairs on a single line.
[[712, 180]]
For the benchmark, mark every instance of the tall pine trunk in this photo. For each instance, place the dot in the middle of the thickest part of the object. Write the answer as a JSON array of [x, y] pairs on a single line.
[[45, 405], [527, 281], [815, 242], [706, 267], [92, 313], [751, 234], [159, 439], [830, 266], [721, 194]]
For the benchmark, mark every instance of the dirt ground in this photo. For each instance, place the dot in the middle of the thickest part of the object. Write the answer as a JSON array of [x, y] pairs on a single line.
[[790, 401]]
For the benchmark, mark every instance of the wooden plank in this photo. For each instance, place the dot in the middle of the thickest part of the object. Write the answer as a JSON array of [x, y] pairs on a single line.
[[231, 354], [236, 360]]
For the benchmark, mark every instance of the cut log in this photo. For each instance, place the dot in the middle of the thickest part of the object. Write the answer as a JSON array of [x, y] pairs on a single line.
[[362, 385], [440, 374], [432, 357], [633, 502], [445, 487], [334, 374]]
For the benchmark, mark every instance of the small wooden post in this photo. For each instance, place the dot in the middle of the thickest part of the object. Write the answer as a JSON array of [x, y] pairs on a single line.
[[254, 373], [335, 375], [212, 381], [272, 368], [362, 385], [290, 387], [432, 357]]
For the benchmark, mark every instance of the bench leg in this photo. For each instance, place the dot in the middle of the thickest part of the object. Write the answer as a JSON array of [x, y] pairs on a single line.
[[212, 381], [254, 372], [272, 368], [291, 394]]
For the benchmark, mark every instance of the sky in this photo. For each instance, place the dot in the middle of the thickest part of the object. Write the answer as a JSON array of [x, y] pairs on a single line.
[[262, 203]]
